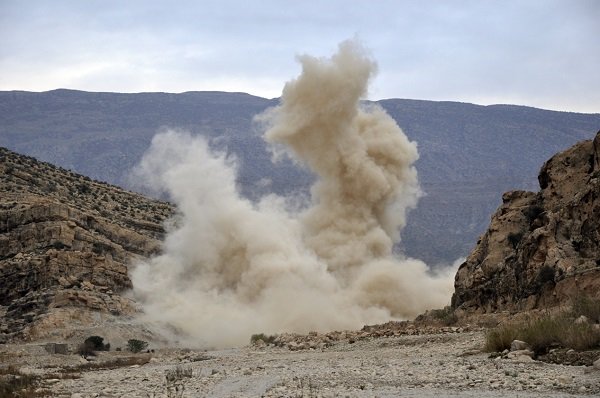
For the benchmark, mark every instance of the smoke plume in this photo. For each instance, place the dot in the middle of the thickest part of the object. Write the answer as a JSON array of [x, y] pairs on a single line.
[[231, 267]]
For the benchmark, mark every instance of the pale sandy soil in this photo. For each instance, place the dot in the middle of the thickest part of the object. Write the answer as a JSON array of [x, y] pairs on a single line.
[[431, 365]]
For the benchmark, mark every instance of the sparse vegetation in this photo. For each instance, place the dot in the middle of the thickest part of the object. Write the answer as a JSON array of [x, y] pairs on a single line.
[[546, 274], [261, 336], [582, 304], [544, 333], [533, 212], [91, 345], [14, 383], [135, 345], [445, 315], [175, 380], [515, 238]]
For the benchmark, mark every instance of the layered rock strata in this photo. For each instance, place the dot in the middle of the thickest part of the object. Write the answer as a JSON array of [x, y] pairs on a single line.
[[65, 246]]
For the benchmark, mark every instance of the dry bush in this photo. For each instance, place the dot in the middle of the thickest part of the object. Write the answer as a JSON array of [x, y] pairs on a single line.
[[261, 336], [111, 364], [14, 383], [499, 339], [586, 306], [545, 333]]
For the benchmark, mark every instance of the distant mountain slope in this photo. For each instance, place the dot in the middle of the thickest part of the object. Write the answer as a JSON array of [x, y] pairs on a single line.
[[470, 154]]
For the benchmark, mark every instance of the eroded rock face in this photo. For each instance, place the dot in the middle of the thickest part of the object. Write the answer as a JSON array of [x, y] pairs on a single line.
[[543, 248], [66, 243]]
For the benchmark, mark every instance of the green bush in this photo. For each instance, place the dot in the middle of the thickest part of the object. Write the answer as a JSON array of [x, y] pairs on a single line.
[[135, 345]]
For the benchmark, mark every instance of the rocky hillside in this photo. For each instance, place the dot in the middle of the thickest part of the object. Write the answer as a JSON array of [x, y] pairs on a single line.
[[65, 244], [541, 249]]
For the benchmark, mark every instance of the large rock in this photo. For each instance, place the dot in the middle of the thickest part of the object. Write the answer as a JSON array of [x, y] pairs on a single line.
[[541, 248], [66, 243]]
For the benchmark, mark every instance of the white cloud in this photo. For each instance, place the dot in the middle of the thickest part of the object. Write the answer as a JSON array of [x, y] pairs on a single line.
[[541, 53]]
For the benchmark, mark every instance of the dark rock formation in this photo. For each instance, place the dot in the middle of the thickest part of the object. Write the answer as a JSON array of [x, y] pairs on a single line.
[[65, 244], [541, 249]]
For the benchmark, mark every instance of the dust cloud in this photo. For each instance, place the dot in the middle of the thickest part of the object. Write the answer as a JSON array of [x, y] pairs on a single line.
[[231, 267]]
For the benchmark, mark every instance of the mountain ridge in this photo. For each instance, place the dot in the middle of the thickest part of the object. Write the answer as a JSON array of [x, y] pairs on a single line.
[[469, 154]]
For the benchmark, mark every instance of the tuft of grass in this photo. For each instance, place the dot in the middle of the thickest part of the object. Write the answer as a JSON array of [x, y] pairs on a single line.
[[445, 315], [544, 333], [14, 383], [582, 304], [499, 339], [112, 364]]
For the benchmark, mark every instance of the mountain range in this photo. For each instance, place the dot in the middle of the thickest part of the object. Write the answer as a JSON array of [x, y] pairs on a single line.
[[469, 154]]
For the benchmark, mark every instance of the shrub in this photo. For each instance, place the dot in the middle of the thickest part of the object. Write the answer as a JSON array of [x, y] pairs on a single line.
[[546, 274], [582, 304], [85, 350], [14, 383], [261, 336], [533, 212], [97, 343], [445, 315], [499, 339], [515, 238], [175, 381], [544, 333], [135, 345]]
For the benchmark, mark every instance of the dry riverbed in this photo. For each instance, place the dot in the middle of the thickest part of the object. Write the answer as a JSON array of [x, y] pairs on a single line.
[[432, 363]]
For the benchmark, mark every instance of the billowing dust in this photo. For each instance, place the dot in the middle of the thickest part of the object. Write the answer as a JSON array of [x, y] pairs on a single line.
[[231, 267]]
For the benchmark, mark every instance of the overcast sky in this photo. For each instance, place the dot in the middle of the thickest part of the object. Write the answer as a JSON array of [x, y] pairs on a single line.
[[543, 53]]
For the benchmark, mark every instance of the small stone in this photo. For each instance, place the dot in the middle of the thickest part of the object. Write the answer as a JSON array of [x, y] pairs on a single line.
[[519, 353], [518, 345], [597, 364], [564, 379], [581, 320], [523, 358], [582, 389]]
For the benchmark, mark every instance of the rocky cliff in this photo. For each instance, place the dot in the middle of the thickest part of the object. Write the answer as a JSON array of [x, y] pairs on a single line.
[[541, 249], [65, 246]]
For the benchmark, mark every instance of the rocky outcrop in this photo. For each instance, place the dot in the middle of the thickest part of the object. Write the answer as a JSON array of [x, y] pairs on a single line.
[[65, 246], [541, 249]]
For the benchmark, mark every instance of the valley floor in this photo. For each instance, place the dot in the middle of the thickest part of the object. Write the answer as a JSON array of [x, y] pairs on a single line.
[[427, 365]]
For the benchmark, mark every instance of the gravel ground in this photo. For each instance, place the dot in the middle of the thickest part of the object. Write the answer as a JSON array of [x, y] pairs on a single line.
[[427, 365]]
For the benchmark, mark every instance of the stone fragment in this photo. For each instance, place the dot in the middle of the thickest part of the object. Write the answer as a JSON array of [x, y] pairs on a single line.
[[518, 345]]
